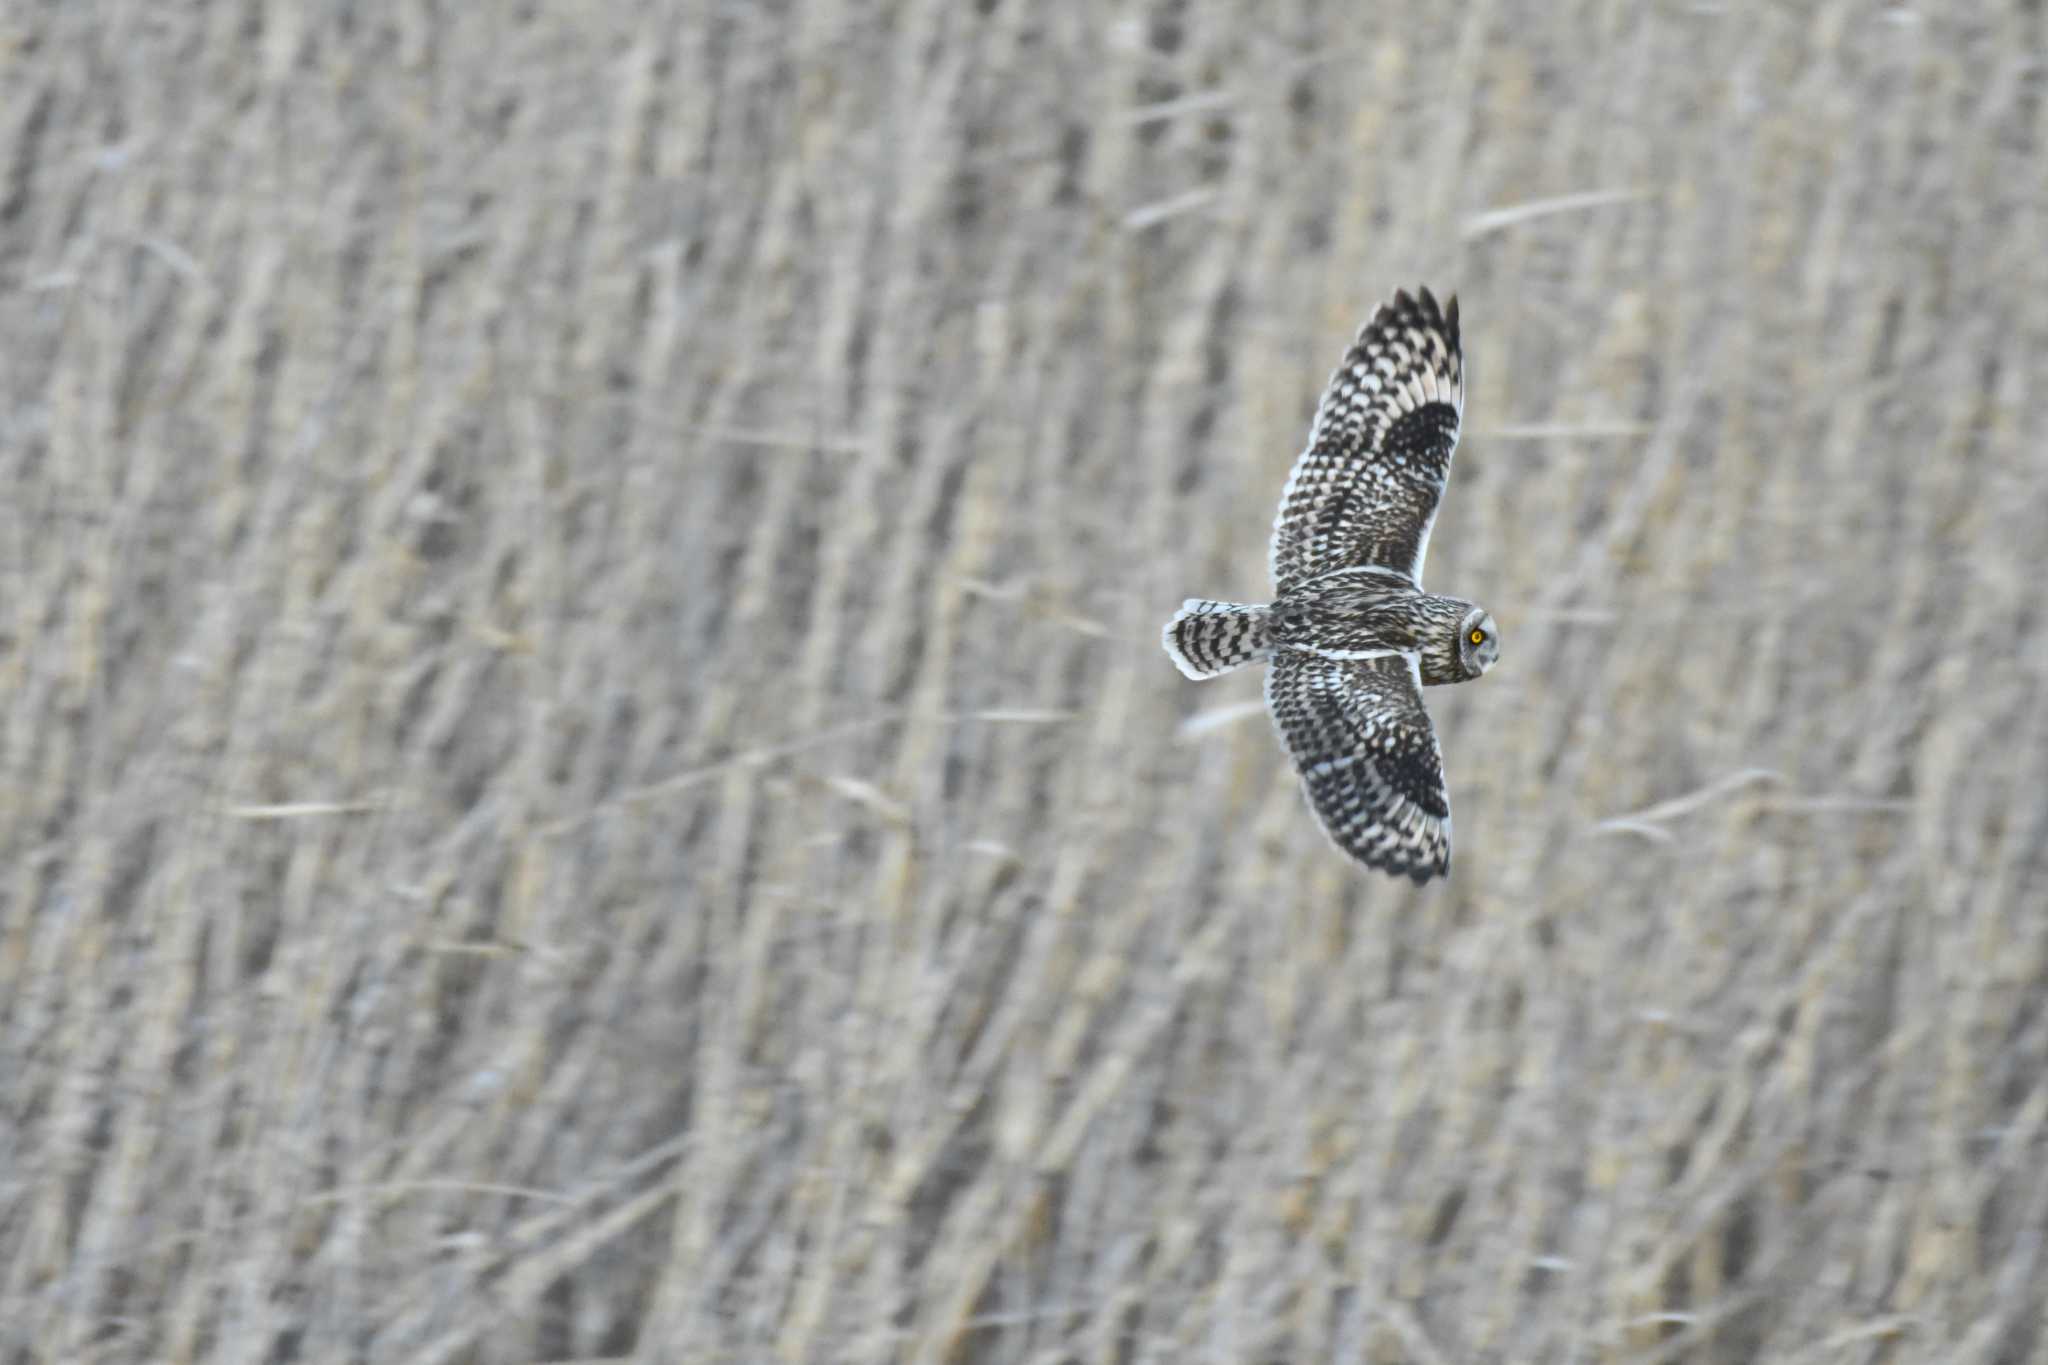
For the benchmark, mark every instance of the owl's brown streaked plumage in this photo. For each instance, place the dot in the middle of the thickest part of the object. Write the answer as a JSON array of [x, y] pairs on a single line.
[[1368, 757], [1366, 490], [1350, 636]]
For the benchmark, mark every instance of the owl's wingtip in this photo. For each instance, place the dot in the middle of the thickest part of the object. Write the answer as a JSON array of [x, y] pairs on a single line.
[[1423, 303], [1447, 309]]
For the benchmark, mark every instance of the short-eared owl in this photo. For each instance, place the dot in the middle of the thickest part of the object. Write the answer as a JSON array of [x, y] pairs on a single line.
[[1351, 637]]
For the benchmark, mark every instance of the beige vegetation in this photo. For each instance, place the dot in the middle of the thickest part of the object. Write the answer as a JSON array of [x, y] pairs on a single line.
[[587, 767]]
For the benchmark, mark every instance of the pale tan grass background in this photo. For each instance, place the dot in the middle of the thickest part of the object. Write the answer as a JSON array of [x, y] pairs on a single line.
[[587, 768]]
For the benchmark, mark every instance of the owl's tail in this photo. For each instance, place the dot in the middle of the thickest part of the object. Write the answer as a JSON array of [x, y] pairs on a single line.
[[1207, 638]]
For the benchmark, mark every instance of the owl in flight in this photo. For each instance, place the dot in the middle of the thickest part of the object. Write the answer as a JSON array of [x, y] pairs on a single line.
[[1350, 638]]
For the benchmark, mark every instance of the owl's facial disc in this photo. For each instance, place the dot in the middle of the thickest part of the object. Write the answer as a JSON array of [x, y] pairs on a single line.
[[1478, 642]]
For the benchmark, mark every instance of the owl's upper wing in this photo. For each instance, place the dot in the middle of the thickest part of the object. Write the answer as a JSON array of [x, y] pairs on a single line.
[[1368, 757], [1366, 490]]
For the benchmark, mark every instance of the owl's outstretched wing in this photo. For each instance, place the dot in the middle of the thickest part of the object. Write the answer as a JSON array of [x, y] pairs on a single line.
[[1368, 757], [1366, 490]]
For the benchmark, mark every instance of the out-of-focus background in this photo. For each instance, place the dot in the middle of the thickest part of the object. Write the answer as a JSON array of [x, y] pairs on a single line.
[[588, 771]]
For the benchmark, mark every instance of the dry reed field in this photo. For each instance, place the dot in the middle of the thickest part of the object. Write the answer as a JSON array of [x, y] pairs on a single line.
[[588, 772]]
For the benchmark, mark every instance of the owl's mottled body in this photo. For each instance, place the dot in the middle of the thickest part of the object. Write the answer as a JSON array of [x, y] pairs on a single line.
[[1361, 613], [1350, 637]]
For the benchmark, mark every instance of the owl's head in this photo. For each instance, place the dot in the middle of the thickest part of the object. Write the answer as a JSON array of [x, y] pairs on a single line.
[[1458, 640], [1478, 643]]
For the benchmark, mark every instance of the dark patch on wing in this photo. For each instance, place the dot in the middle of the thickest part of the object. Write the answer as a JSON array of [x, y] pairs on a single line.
[[1417, 450]]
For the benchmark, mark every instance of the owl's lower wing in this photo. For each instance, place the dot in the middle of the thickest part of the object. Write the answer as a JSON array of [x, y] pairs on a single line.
[[1366, 490], [1368, 756]]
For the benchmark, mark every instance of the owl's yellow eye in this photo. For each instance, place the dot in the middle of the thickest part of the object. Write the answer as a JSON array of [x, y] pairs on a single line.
[[1478, 637]]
